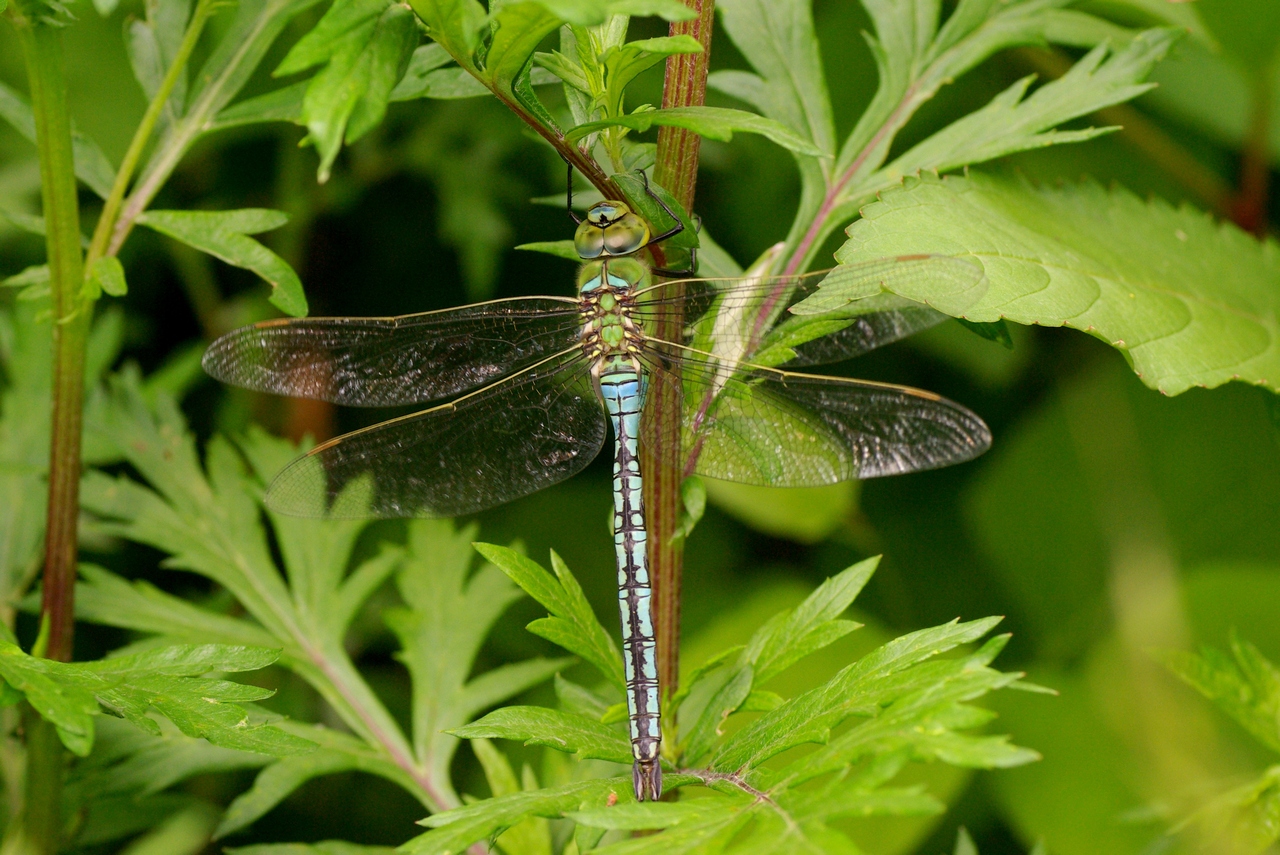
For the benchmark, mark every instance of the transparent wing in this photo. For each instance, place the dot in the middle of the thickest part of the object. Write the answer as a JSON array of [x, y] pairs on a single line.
[[759, 425], [507, 440], [383, 362], [846, 313]]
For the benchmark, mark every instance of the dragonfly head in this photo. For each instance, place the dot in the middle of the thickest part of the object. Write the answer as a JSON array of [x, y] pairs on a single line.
[[610, 228]]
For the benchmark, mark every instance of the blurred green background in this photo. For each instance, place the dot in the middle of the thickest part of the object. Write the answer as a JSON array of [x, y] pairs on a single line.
[[1105, 523]]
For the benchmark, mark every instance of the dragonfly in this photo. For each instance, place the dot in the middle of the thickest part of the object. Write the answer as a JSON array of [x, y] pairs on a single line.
[[521, 394]]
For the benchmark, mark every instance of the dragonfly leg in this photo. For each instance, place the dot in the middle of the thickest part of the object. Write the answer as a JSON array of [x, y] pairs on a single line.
[[668, 272], [569, 195], [674, 230]]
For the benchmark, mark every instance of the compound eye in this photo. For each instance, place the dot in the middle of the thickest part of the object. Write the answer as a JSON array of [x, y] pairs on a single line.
[[629, 234], [603, 213], [588, 241]]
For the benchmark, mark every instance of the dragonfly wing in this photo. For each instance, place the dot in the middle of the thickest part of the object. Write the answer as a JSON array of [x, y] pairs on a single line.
[[505, 441], [846, 311], [383, 362], [777, 428], [860, 327]]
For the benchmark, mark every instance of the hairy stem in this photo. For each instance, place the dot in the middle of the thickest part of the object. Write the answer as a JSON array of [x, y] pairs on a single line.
[[100, 243], [42, 52], [676, 170]]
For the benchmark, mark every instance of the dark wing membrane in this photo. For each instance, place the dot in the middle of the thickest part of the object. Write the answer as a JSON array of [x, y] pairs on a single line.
[[758, 425], [505, 441], [384, 362], [747, 317]]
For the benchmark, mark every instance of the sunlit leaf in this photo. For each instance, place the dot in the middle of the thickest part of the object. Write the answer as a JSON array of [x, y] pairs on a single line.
[[1140, 275]]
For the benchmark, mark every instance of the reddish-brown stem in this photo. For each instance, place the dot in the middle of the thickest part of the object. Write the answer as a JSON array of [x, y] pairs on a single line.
[[677, 171], [1249, 208]]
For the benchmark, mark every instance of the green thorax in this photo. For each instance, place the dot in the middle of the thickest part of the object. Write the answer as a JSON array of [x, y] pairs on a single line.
[[607, 289]]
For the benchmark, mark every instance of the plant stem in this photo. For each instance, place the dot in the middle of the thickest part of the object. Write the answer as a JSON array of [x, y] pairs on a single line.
[[677, 171], [42, 52], [100, 245], [1249, 208]]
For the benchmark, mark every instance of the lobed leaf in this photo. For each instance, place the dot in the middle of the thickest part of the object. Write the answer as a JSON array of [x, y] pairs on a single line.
[[365, 47], [1140, 275], [1244, 685], [1011, 123], [567, 732], [224, 235], [572, 624], [68, 695]]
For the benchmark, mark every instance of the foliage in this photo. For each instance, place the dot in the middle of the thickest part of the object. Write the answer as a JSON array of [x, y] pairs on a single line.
[[208, 519], [1245, 686], [1142, 276], [911, 706], [785, 738]]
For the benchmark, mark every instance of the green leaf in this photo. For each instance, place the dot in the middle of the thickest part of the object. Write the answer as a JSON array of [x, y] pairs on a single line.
[[92, 166], [964, 843], [558, 248], [901, 701], [717, 123], [324, 847], [454, 830], [152, 44], [567, 732], [450, 612], [224, 234], [278, 105], [810, 717], [366, 46], [810, 626], [454, 24], [106, 275], [784, 640], [533, 835], [1011, 123], [1140, 275], [338, 752], [572, 624], [1245, 685], [68, 695], [622, 64]]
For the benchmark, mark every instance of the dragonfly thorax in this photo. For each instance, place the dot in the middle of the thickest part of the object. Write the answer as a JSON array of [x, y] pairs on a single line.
[[607, 291], [610, 229]]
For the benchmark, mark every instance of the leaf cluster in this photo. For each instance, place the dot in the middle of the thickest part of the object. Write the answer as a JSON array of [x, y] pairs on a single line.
[[764, 773], [208, 519], [1245, 685]]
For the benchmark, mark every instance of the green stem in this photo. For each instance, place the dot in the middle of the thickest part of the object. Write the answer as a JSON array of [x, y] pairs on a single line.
[[100, 245], [42, 51], [677, 171]]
